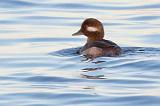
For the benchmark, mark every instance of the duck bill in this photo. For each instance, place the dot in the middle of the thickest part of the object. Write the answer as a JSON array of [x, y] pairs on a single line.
[[78, 33]]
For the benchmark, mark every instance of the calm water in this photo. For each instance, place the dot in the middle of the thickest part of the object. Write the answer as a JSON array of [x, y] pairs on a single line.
[[39, 67]]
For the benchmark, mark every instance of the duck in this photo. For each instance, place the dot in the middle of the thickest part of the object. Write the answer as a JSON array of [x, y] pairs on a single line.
[[96, 45]]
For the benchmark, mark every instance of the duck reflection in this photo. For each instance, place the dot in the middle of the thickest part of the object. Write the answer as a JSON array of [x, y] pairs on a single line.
[[93, 77], [97, 62], [92, 69]]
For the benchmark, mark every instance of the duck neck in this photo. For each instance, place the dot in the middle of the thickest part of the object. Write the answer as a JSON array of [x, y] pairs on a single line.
[[91, 40]]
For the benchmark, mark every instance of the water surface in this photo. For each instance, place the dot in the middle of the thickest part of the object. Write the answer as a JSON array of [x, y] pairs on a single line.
[[39, 66]]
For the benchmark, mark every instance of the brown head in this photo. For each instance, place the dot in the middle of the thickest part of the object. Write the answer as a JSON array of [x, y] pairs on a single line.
[[92, 28]]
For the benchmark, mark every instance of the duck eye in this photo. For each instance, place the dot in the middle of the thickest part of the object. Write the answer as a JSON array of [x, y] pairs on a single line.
[[92, 29]]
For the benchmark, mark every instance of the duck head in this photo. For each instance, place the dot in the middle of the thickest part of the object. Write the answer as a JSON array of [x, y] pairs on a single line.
[[92, 28]]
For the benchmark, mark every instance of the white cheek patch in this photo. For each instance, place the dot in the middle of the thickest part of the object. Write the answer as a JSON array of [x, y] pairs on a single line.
[[92, 29]]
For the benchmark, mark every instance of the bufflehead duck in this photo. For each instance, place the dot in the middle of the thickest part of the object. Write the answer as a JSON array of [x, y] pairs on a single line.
[[96, 46]]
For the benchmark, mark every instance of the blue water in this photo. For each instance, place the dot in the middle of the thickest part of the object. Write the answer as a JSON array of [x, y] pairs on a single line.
[[39, 65]]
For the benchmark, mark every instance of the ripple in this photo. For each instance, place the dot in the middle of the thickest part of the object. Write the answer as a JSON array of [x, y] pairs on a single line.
[[16, 3], [127, 51], [49, 17], [31, 40], [75, 6], [143, 18], [66, 52], [98, 7], [49, 79], [134, 100]]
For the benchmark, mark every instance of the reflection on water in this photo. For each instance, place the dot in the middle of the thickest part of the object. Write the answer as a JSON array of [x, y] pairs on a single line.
[[39, 64], [92, 69], [92, 77]]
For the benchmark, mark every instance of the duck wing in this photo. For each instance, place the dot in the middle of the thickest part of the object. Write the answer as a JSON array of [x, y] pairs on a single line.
[[104, 44]]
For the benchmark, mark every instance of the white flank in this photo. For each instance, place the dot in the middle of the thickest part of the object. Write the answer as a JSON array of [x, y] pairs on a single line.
[[92, 29]]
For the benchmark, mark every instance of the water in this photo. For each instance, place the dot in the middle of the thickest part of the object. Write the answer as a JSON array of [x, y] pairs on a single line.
[[39, 67]]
